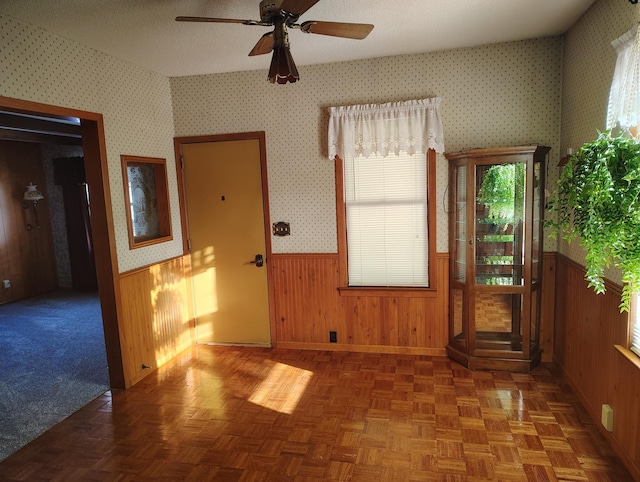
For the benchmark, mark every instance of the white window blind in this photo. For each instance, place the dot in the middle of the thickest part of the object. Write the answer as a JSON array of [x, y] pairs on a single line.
[[386, 213], [634, 319]]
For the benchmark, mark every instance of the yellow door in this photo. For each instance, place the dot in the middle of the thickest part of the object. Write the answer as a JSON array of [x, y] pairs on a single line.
[[223, 190]]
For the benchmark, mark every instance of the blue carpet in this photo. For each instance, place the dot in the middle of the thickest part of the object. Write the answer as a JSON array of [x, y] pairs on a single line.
[[52, 362]]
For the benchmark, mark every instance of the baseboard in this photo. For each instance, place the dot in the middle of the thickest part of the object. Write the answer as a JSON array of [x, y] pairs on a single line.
[[404, 350], [595, 417], [219, 343]]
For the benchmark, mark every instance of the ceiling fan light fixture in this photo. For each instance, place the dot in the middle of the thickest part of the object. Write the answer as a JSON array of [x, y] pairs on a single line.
[[283, 14], [283, 68]]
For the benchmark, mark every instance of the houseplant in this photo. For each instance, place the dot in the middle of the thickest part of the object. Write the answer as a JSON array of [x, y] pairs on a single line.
[[598, 200]]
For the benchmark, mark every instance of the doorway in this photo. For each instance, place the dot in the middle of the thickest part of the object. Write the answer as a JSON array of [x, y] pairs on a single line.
[[93, 145], [224, 204]]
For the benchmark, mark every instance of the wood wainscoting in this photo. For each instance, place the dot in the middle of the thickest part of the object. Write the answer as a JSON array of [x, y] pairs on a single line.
[[587, 326], [548, 302], [156, 322], [308, 305], [157, 317], [27, 258]]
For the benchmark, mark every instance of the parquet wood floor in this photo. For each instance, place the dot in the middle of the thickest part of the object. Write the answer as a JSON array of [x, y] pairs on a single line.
[[493, 312], [253, 414]]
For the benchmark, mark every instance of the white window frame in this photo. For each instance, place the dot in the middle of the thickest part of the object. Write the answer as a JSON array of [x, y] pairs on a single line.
[[623, 112]]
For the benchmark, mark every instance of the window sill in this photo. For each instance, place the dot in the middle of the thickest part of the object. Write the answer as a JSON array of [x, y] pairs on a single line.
[[629, 355], [389, 292]]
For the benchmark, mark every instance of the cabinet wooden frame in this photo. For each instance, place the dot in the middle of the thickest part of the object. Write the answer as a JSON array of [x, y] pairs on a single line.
[[146, 196], [470, 344]]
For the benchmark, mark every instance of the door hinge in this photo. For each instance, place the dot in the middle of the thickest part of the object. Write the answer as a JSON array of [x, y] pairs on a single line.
[[189, 245], [181, 161]]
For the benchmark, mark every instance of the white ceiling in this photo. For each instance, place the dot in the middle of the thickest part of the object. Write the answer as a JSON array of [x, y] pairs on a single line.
[[145, 33]]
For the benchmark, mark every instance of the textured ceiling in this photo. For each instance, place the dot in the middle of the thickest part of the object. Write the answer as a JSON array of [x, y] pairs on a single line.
[[144, 32]]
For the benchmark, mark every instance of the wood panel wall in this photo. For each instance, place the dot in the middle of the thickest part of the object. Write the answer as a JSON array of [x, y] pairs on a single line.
[[587, 326], [27, 258], [156, 317], [548, 302], [308, 305]]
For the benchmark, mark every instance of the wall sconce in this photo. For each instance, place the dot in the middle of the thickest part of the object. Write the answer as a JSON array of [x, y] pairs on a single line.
[[565, 159], [30, 199]]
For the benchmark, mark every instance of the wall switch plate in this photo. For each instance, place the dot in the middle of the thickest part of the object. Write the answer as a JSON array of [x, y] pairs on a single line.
[[281, 229], [607, 417], [333, 337], [6, 284]]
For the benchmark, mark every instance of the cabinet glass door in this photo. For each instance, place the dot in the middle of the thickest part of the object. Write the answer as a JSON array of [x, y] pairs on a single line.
[[499, 228], [498, 321], [459, 318], [536, 242], [460, 225]]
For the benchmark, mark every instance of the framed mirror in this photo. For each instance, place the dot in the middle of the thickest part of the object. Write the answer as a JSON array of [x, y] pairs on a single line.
[[147, 200]]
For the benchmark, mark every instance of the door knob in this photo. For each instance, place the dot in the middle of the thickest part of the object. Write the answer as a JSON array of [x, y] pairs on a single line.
[[258, 261]]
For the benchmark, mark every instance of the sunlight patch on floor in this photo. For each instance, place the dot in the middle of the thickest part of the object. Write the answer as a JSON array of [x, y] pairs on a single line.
[[282, 389]]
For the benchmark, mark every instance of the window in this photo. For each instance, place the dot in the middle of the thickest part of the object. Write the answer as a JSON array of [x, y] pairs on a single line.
[[623, 112], [386, 218], [634, 322], [624, 97], [385, 173]]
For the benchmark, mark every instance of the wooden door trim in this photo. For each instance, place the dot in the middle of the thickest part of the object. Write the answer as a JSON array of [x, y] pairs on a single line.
[[106, 257], [178, 143]]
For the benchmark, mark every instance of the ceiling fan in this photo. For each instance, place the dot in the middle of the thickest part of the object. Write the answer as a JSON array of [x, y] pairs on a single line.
[[283, 14]]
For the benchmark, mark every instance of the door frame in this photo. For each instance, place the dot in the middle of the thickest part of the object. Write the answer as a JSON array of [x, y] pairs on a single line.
[[106, 257], [179, 142]]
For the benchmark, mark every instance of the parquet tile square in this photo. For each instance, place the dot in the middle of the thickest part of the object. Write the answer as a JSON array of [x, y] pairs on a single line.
[[253, 414], [469, 411]]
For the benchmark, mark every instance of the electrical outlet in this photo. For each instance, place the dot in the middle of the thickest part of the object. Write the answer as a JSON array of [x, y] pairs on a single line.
[[6, 284], [333, 337], [607, 417], [281, 229]]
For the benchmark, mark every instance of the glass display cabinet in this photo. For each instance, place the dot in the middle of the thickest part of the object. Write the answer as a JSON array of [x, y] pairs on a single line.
[[496, 222]]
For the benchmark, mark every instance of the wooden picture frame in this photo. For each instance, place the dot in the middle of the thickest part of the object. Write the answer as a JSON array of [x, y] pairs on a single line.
[[146, 195]]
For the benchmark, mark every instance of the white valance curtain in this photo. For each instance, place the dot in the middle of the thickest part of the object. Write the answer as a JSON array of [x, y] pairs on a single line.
[[624, 96], [377, 129]]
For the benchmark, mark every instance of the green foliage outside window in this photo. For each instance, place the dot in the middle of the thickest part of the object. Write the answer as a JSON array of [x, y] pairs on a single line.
[[502, 190]]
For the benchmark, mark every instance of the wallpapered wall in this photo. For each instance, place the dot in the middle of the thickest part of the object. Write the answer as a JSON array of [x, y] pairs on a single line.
[[588, 69], [495, 95], [38, 66]]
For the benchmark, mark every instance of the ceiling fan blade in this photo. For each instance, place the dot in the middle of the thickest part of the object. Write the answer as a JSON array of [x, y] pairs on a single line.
[[297, 7], [337, 29], [264, 45], [215, 20]]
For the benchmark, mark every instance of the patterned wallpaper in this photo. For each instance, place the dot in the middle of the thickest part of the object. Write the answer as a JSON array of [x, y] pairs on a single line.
[[38, 66], [588, 69], [495, 95]]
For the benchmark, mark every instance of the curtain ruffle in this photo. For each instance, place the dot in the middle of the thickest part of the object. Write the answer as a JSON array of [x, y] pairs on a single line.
[[362, 130], [624, 97]]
